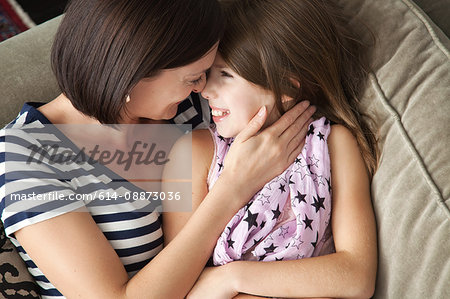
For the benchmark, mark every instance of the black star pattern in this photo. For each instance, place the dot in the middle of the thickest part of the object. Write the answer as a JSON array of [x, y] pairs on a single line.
[[297, 160], [229, 144], [262, 257], [251, 219], [290, 182], [230, 243], [263, 223], [300, 197], [220, 166], [311, 130], [257, 241], [326, 122], [308, 222], [247, 206], [276, 213], [277, 259], [315, 242], [282, 188], [318, 203], [221, 138], [320, 135], [270, 249], [329, 184]]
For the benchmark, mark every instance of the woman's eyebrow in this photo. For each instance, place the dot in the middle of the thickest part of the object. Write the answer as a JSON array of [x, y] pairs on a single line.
[[196, 74]]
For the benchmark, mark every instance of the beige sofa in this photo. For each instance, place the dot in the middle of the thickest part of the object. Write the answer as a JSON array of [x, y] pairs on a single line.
[[408, 95]]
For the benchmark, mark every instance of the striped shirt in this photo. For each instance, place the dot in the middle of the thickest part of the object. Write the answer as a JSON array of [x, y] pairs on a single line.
[[133, 228]]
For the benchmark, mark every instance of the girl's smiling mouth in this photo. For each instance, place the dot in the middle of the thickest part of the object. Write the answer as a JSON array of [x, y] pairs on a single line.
[[219, 113]]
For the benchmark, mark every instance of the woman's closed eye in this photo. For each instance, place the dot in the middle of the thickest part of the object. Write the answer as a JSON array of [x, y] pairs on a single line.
[[196, 81]]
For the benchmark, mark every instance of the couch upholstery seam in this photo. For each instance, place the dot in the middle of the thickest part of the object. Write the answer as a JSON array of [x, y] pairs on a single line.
[[415, 153], [427, 24]]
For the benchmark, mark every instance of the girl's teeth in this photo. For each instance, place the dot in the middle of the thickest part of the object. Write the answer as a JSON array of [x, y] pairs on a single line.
[[219, 113]]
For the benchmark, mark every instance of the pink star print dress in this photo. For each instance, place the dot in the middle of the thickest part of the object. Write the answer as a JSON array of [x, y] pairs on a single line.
[[289, 217]]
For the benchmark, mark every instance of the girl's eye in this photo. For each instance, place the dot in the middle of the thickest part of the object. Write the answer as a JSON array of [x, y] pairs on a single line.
[[225, 74]]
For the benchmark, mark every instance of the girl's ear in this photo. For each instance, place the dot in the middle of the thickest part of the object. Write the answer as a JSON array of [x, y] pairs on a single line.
[[286, 99], [295, 82]]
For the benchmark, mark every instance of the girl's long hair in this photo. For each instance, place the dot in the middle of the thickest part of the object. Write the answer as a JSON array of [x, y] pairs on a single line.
[[305, 50]]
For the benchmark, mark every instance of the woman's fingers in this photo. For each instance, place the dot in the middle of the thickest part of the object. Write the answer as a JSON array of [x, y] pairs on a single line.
[[299, 125], [296, 144], [253, 126], [288, 118]]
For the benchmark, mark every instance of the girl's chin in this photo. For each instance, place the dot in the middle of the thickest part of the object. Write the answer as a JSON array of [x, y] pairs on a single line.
[[225, 133]]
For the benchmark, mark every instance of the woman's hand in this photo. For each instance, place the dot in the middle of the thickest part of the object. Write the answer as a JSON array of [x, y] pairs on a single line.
[[254, 159], [214, 282]]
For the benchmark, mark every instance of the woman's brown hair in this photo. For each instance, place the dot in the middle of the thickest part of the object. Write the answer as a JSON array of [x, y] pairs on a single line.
[[278, 44], [104, 47]]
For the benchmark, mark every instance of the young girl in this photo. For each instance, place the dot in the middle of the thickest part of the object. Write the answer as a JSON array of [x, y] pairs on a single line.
[[275, 54]]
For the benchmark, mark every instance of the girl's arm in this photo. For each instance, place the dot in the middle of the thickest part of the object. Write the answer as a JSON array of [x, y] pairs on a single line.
[[350, 272], [76, 257]]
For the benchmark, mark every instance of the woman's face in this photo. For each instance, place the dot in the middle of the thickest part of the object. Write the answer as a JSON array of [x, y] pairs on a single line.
[[158, 97], [235, 101]]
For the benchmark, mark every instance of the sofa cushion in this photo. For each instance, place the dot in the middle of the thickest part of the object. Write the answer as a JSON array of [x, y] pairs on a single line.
[[26, 73], [408, 95]]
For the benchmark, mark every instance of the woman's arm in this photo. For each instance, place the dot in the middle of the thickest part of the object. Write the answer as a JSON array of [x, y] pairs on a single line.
[[79, 261], [350, 272]]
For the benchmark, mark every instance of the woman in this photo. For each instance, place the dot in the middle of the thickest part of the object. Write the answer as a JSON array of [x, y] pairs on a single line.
[[126, 62]]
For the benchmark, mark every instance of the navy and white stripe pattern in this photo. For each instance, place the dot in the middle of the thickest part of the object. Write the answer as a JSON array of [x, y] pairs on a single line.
[[132, 227], [194, 111]]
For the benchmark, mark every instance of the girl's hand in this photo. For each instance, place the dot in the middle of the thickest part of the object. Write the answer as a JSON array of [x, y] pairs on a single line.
[[254, 159], [213, 283]]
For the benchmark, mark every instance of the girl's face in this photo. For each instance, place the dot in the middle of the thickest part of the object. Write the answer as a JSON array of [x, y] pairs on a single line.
[[158, 97], [235, 101]]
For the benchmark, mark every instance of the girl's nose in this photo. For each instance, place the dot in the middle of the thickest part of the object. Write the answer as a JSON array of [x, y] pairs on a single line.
[[207, 91]]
